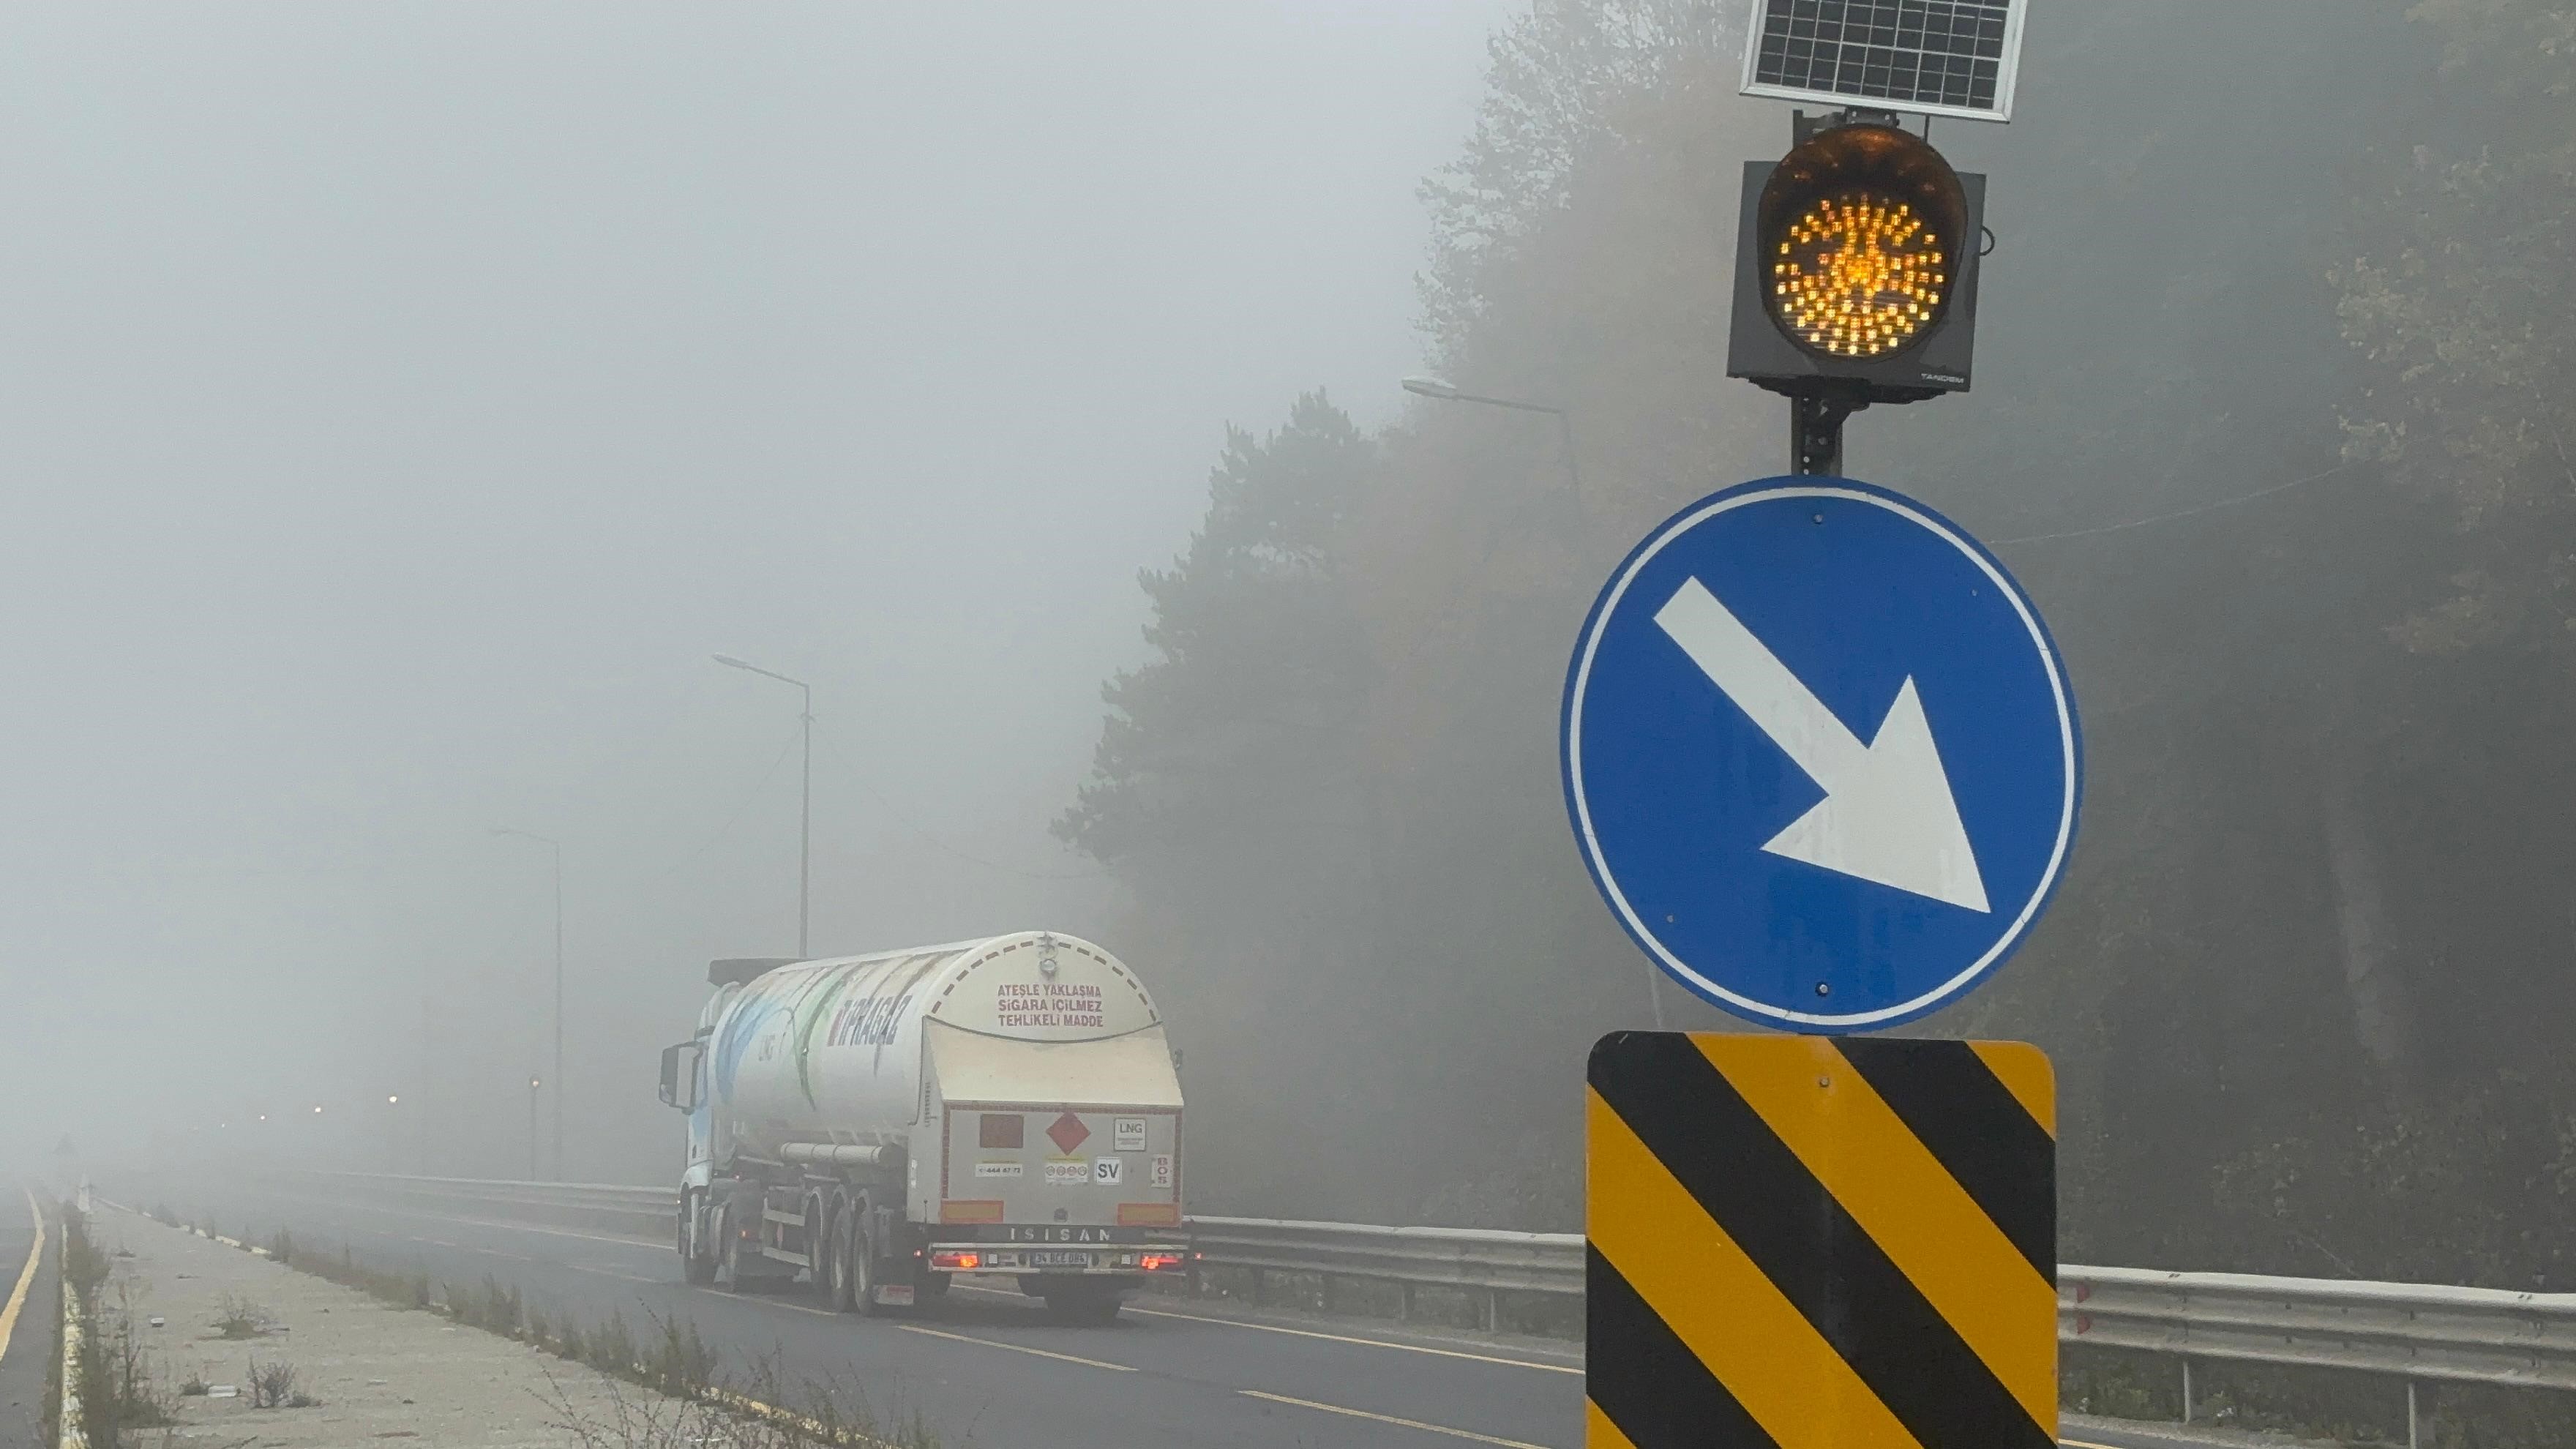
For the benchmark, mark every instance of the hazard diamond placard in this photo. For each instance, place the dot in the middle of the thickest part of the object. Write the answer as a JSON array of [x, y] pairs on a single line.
[[1820, 1244]]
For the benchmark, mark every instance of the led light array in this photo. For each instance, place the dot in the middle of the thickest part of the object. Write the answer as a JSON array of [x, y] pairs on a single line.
[[1858, 276]]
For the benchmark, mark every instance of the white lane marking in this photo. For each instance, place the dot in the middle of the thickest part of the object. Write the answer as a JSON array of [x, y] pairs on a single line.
[[1023, 1348], [613, 1273], [1391, 1419], [1554, 1368], [26, 1275]]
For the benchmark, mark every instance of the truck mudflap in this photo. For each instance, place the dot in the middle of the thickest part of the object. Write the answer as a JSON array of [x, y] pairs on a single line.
[[1102, 1259]]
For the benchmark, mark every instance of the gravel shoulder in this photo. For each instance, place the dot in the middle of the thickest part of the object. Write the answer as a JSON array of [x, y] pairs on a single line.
[[376, 1374]]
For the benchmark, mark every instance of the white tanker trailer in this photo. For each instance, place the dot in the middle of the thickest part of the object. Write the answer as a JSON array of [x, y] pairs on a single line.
[[884, 1122]]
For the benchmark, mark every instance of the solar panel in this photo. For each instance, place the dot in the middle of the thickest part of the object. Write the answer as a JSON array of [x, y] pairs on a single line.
[[1933, 57]]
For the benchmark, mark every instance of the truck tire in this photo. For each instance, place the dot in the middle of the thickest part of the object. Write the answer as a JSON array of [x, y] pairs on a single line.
[[818, 1250], [734, 1281], [866, 1269], [844, 1221], [697, 1263]]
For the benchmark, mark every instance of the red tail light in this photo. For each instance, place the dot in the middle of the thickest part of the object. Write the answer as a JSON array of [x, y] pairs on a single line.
[[1159, 1262], [956, 1262]]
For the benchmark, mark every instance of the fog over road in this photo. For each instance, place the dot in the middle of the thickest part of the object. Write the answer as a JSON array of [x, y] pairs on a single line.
[[987, 1368]]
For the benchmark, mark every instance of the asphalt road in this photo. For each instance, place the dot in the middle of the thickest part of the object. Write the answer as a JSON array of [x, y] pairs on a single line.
[[28, 1302], [985, 1368]]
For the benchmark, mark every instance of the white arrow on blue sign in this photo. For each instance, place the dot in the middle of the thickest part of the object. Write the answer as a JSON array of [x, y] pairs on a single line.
[[1821, 754]]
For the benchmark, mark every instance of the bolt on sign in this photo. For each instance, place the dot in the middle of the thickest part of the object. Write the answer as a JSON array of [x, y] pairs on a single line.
[[1817, 1243]]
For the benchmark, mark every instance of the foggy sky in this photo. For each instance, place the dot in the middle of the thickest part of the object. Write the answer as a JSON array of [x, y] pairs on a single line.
[[400, 403]]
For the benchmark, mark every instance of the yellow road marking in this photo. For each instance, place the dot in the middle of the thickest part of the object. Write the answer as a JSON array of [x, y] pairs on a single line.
[[820, 1431], [26, 1275], [1720, 1304], [1826, 1113], [1021, 1348], [1390, 1419], [1554, 1368]]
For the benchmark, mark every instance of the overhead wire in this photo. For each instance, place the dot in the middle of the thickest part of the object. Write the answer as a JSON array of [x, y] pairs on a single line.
[[2180, 513], [741, 807]]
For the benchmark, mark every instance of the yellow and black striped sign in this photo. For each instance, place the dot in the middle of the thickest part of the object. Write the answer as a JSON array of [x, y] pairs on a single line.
[[1811, 1243]]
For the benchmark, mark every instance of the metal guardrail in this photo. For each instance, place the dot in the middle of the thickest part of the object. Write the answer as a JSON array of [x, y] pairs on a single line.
[[647, 1213], [2408, 1330], [2421, 1333], [1480, 1262]]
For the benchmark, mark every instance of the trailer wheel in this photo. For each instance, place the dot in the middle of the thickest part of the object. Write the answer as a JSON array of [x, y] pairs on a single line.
[[734, 1281], [844, 1221], [697, 1265], [818, 1249], [866, 1271]]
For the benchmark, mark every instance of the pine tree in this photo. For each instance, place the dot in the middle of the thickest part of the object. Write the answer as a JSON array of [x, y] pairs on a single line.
[[1227, 754]]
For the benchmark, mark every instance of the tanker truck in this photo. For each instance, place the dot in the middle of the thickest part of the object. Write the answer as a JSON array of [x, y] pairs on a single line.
[[882, 1123]]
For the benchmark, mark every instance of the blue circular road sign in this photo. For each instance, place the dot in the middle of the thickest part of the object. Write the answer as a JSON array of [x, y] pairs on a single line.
[[1821, 754]]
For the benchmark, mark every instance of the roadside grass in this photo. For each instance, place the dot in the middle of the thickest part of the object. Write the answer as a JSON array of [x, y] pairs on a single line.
[[2340, 1405], [273, 1386], [115, 1386], [237, 1317]]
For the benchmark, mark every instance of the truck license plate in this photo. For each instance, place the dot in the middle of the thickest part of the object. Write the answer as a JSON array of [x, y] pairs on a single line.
[[1059, 1260]]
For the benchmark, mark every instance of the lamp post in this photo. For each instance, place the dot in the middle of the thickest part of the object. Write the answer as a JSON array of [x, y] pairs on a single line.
[[557, 847], [1441, 390], [533, 1084], [805, 829]]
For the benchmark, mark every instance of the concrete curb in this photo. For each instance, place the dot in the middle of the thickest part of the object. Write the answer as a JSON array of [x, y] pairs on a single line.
[[75, 1433]]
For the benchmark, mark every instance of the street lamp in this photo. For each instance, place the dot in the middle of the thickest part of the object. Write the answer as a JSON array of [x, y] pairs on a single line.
[[805, 839], [1443, 390], [557, 847], [533, 1084]]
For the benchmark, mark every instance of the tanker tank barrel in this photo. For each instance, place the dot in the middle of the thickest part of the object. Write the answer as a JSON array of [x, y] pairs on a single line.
[[841, 1155]]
